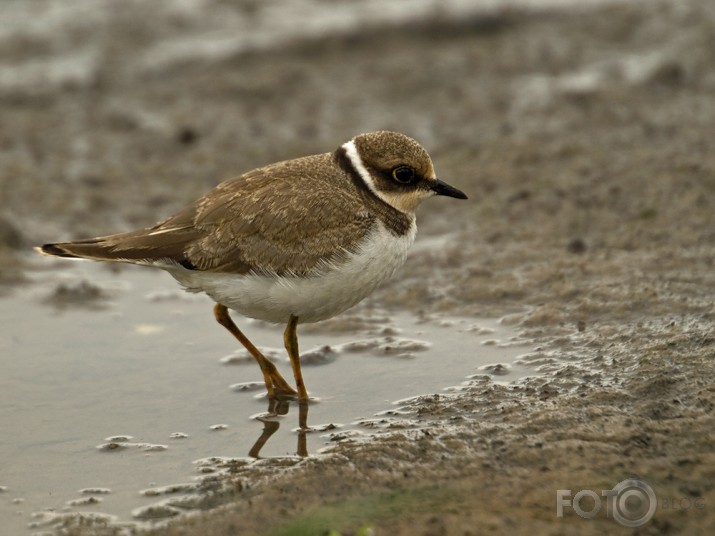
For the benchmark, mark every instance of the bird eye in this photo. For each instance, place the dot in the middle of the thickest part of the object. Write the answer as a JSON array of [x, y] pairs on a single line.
[[403, 174]]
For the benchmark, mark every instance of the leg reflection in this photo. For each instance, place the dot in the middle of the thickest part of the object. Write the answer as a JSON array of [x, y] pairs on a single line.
[[302, 448], [270, 426]]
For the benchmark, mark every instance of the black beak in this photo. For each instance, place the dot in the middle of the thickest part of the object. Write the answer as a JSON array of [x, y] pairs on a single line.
[[442, 188]]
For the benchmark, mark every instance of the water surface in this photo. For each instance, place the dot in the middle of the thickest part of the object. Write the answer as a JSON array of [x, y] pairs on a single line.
[[115, 382]]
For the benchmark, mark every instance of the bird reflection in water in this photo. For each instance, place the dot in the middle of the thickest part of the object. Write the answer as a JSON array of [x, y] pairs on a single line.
[[271, 424]]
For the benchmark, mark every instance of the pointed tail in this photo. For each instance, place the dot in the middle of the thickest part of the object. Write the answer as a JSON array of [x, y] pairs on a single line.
[[94, 249]]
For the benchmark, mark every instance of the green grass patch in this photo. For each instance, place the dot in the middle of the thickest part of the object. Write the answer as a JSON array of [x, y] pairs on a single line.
[[359, 514]]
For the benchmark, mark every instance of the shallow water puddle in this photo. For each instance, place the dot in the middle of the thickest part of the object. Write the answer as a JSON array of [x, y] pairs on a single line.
[[118, 386]]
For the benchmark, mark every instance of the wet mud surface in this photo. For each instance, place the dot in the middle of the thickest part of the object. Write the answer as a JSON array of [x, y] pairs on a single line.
[[584, 139]]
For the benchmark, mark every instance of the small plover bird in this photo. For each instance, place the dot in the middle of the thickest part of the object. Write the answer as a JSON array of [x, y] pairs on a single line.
[[295, 241]]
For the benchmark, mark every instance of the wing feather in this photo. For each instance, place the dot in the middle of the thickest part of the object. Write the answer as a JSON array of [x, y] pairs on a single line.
[[254, 222]]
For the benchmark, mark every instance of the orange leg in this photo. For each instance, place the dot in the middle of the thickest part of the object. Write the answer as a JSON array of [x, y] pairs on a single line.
[[290, 337], [275, 384]]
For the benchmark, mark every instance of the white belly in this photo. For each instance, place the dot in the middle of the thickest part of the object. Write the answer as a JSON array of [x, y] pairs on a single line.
[[311, 299]]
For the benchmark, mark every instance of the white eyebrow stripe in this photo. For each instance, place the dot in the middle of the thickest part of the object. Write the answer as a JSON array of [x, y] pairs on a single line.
[[354, 157]]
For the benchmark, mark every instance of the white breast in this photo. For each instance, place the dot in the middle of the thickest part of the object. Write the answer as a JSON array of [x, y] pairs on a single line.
[[311, 299]]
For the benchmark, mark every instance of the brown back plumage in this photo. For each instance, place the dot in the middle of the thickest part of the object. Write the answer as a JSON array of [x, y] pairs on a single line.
[[294, 217], [255, 222]]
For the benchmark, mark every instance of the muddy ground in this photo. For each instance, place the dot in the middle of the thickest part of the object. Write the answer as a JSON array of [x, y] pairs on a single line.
[[584, 139]]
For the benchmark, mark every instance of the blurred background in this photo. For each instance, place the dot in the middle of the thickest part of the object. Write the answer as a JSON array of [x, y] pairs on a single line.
[[582, 132], [125, 112], [113, 117], [573, 126]]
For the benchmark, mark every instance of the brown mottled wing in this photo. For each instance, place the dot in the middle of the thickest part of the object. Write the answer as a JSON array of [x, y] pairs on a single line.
[[260, 221], [264, 220]]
